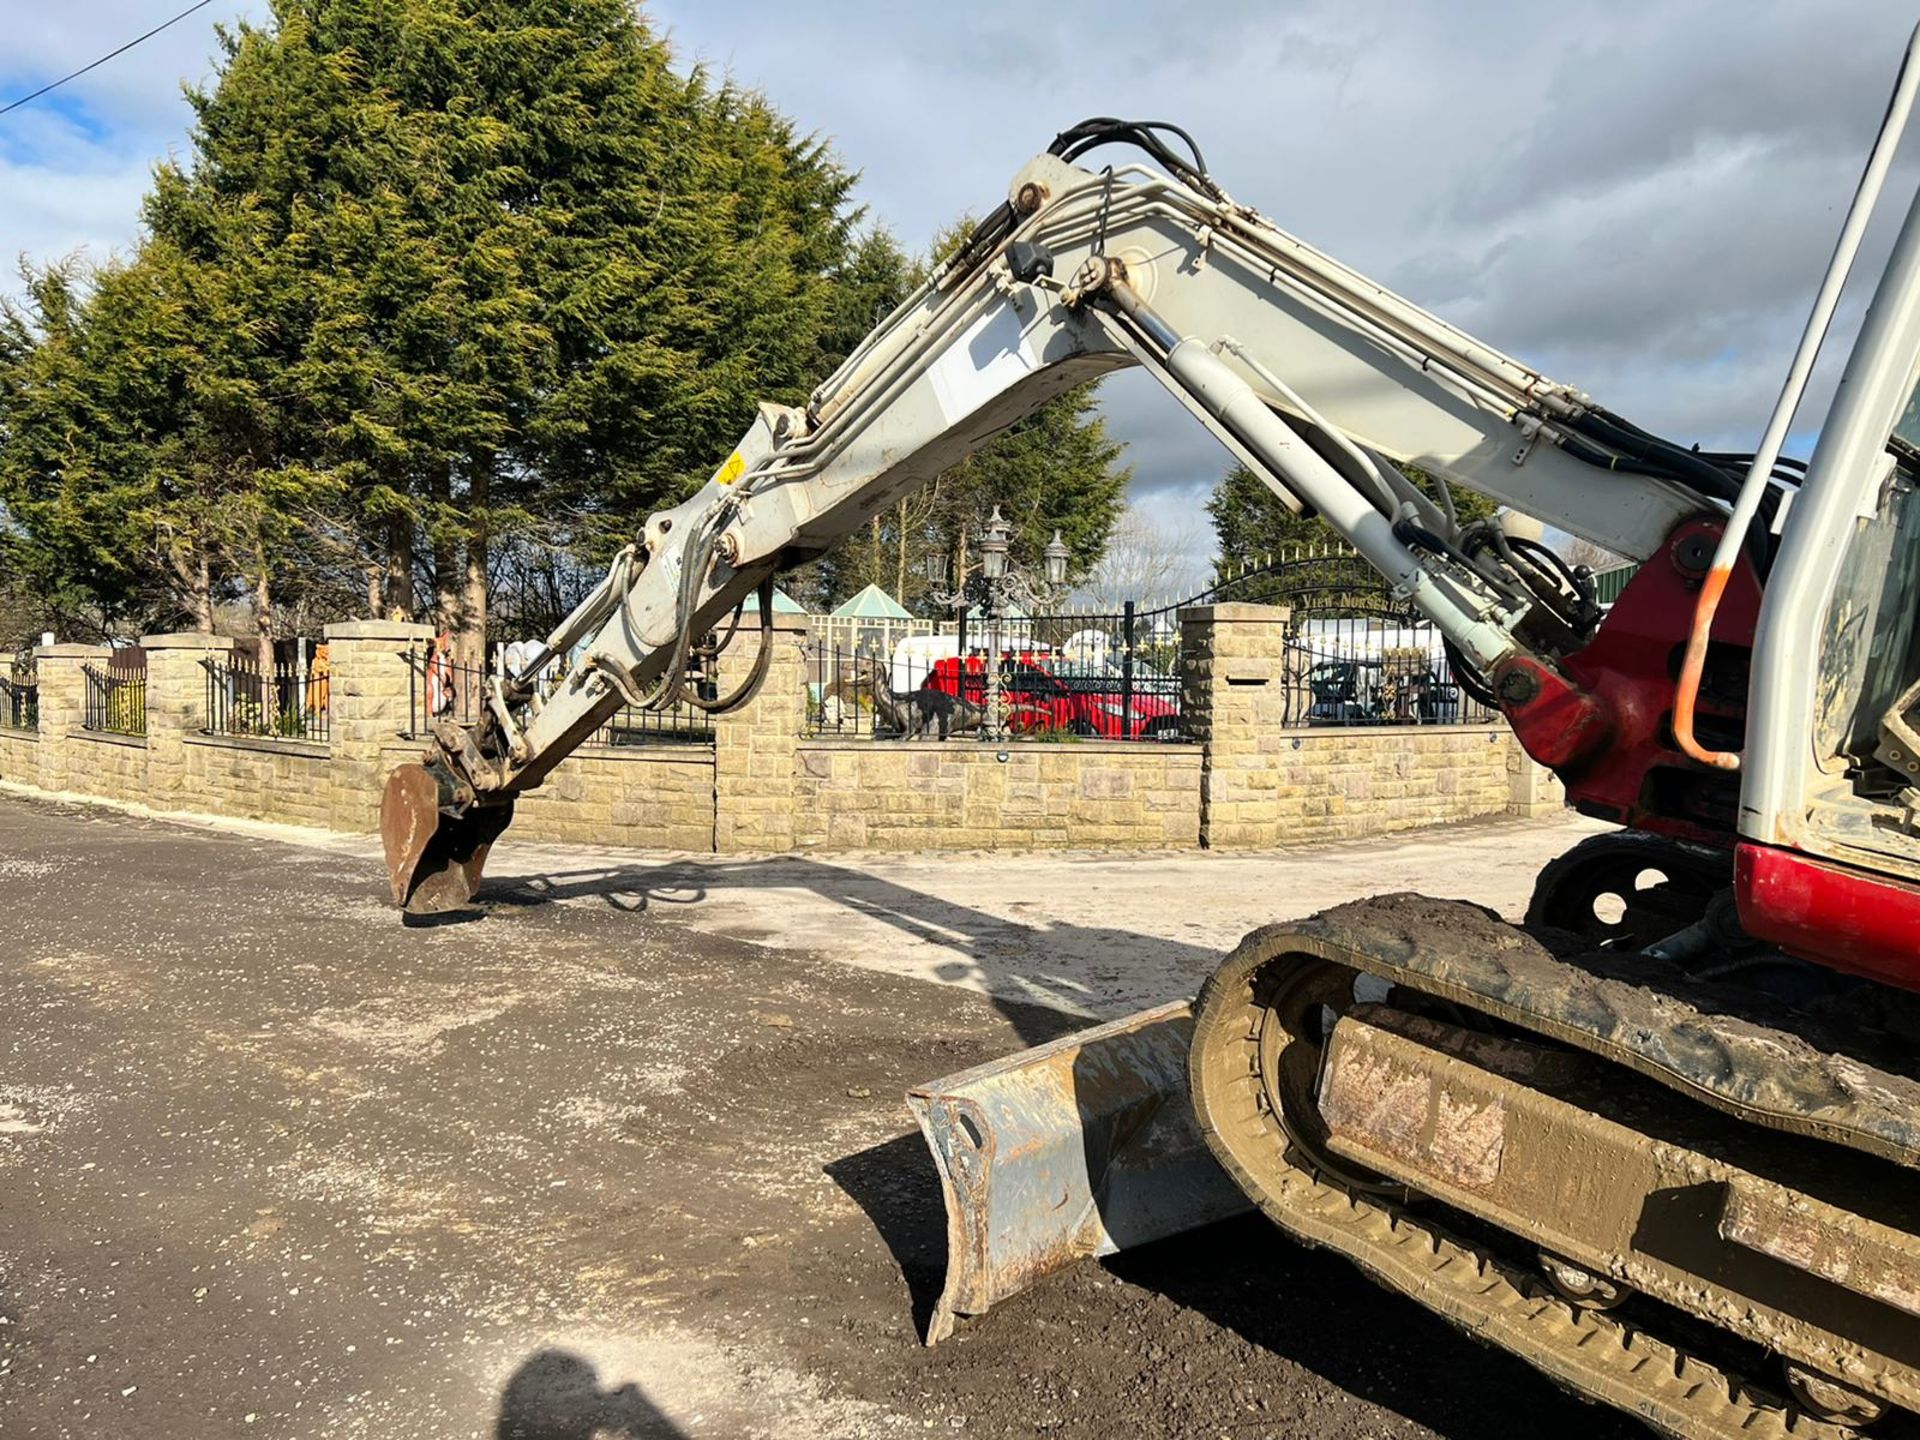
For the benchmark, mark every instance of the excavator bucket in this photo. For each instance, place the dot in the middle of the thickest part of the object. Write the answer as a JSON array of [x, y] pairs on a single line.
[[434, 859], [1082, 1147]]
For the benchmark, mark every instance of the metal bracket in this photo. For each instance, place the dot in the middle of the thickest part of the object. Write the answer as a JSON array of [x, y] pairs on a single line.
[[1008, 288], [1530, 428], [456, 741], [1899, 747], [497, 704], [600, 663], [1204, 240]]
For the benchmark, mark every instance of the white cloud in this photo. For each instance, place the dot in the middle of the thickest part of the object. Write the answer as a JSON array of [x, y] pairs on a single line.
[[61, 212], [136, 96], [1635, 195], [75, 164]]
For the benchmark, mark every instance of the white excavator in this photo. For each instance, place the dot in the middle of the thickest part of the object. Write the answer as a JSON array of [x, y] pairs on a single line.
[[1663, 1138]]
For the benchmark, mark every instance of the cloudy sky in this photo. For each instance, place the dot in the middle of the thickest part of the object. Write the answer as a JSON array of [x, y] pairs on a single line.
[[1637, 195]]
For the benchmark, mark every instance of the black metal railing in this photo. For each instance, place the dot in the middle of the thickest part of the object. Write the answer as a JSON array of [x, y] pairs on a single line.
[[1356, 654], [1382, 668], [1080, 675], [438, 688], [288, 702], [116, 697], [676, 724], [20, 697]]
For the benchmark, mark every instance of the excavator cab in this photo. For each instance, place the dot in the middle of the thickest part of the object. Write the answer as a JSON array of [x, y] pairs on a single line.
[[1828, 855]]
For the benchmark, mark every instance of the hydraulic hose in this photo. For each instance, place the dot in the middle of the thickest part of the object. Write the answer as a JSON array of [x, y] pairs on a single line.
[[762, 659]]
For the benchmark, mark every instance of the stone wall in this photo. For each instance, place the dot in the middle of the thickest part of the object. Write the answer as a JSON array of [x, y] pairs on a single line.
[[1265, 784], [63, 755], [647, 796], [1340, 784], [925, 795], [62, 712], [20, 754], [176, 700], [763, 787], [1233, 697], [113, 767], [369, 695], [290, 781], [756, 801]]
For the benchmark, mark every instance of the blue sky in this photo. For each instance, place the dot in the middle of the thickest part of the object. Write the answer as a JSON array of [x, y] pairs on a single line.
[[1637, 196]]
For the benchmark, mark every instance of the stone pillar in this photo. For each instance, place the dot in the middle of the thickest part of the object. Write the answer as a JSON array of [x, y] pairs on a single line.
[[368, 699], [63, 708], [1532, 789], [176, 708], [754, 786], [1234, 683]]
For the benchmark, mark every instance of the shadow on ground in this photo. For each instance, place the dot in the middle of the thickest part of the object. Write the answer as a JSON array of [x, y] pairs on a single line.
[[1321, 1312], [556, 1395], [898, 1188], [1007, 957], [1243, 1276]]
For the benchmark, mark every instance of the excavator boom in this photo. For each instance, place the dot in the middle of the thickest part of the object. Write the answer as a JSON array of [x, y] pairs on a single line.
[[1687, 1084], [1321, 381]]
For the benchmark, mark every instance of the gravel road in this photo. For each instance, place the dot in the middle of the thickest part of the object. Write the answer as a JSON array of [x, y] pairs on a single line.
[[273, 1165]]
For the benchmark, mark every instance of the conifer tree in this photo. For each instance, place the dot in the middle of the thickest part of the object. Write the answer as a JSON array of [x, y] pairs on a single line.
[[1250, 522], [436, 278]]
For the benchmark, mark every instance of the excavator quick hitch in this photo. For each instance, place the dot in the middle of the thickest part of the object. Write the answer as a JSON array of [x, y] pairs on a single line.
[[435, 850]]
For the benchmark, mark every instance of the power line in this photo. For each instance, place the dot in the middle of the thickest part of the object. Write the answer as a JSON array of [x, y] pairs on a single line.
[[16, 104]]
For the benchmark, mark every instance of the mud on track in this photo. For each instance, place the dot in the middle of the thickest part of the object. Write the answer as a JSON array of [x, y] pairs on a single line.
[[271, 1164]]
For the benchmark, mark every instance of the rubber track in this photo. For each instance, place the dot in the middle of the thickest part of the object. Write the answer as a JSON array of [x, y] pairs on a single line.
[[1587, 1351], [1767, 1066], [1677, 1394]]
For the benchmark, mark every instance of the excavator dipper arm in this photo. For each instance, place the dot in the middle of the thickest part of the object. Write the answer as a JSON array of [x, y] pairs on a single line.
[[1628, 1130], [1320, 381]]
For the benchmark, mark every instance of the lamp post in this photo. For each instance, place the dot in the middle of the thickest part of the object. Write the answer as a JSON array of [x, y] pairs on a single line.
[[1002, 585], [993, 547], [1055, 558]]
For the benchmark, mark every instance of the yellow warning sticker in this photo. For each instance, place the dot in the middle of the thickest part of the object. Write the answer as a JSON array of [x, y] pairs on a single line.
[[731, 471]]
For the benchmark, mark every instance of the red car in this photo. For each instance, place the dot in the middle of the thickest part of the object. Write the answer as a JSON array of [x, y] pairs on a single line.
[[1040, 702]]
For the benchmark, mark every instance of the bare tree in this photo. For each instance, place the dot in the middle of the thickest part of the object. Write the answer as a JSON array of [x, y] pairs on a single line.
[[1148, 562]]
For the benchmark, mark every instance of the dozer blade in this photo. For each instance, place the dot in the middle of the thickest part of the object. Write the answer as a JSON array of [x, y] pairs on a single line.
[[1081, 1147], [434, 859]]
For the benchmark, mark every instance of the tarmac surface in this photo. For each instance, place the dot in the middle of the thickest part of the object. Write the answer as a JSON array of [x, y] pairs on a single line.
[[625, 1156]]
